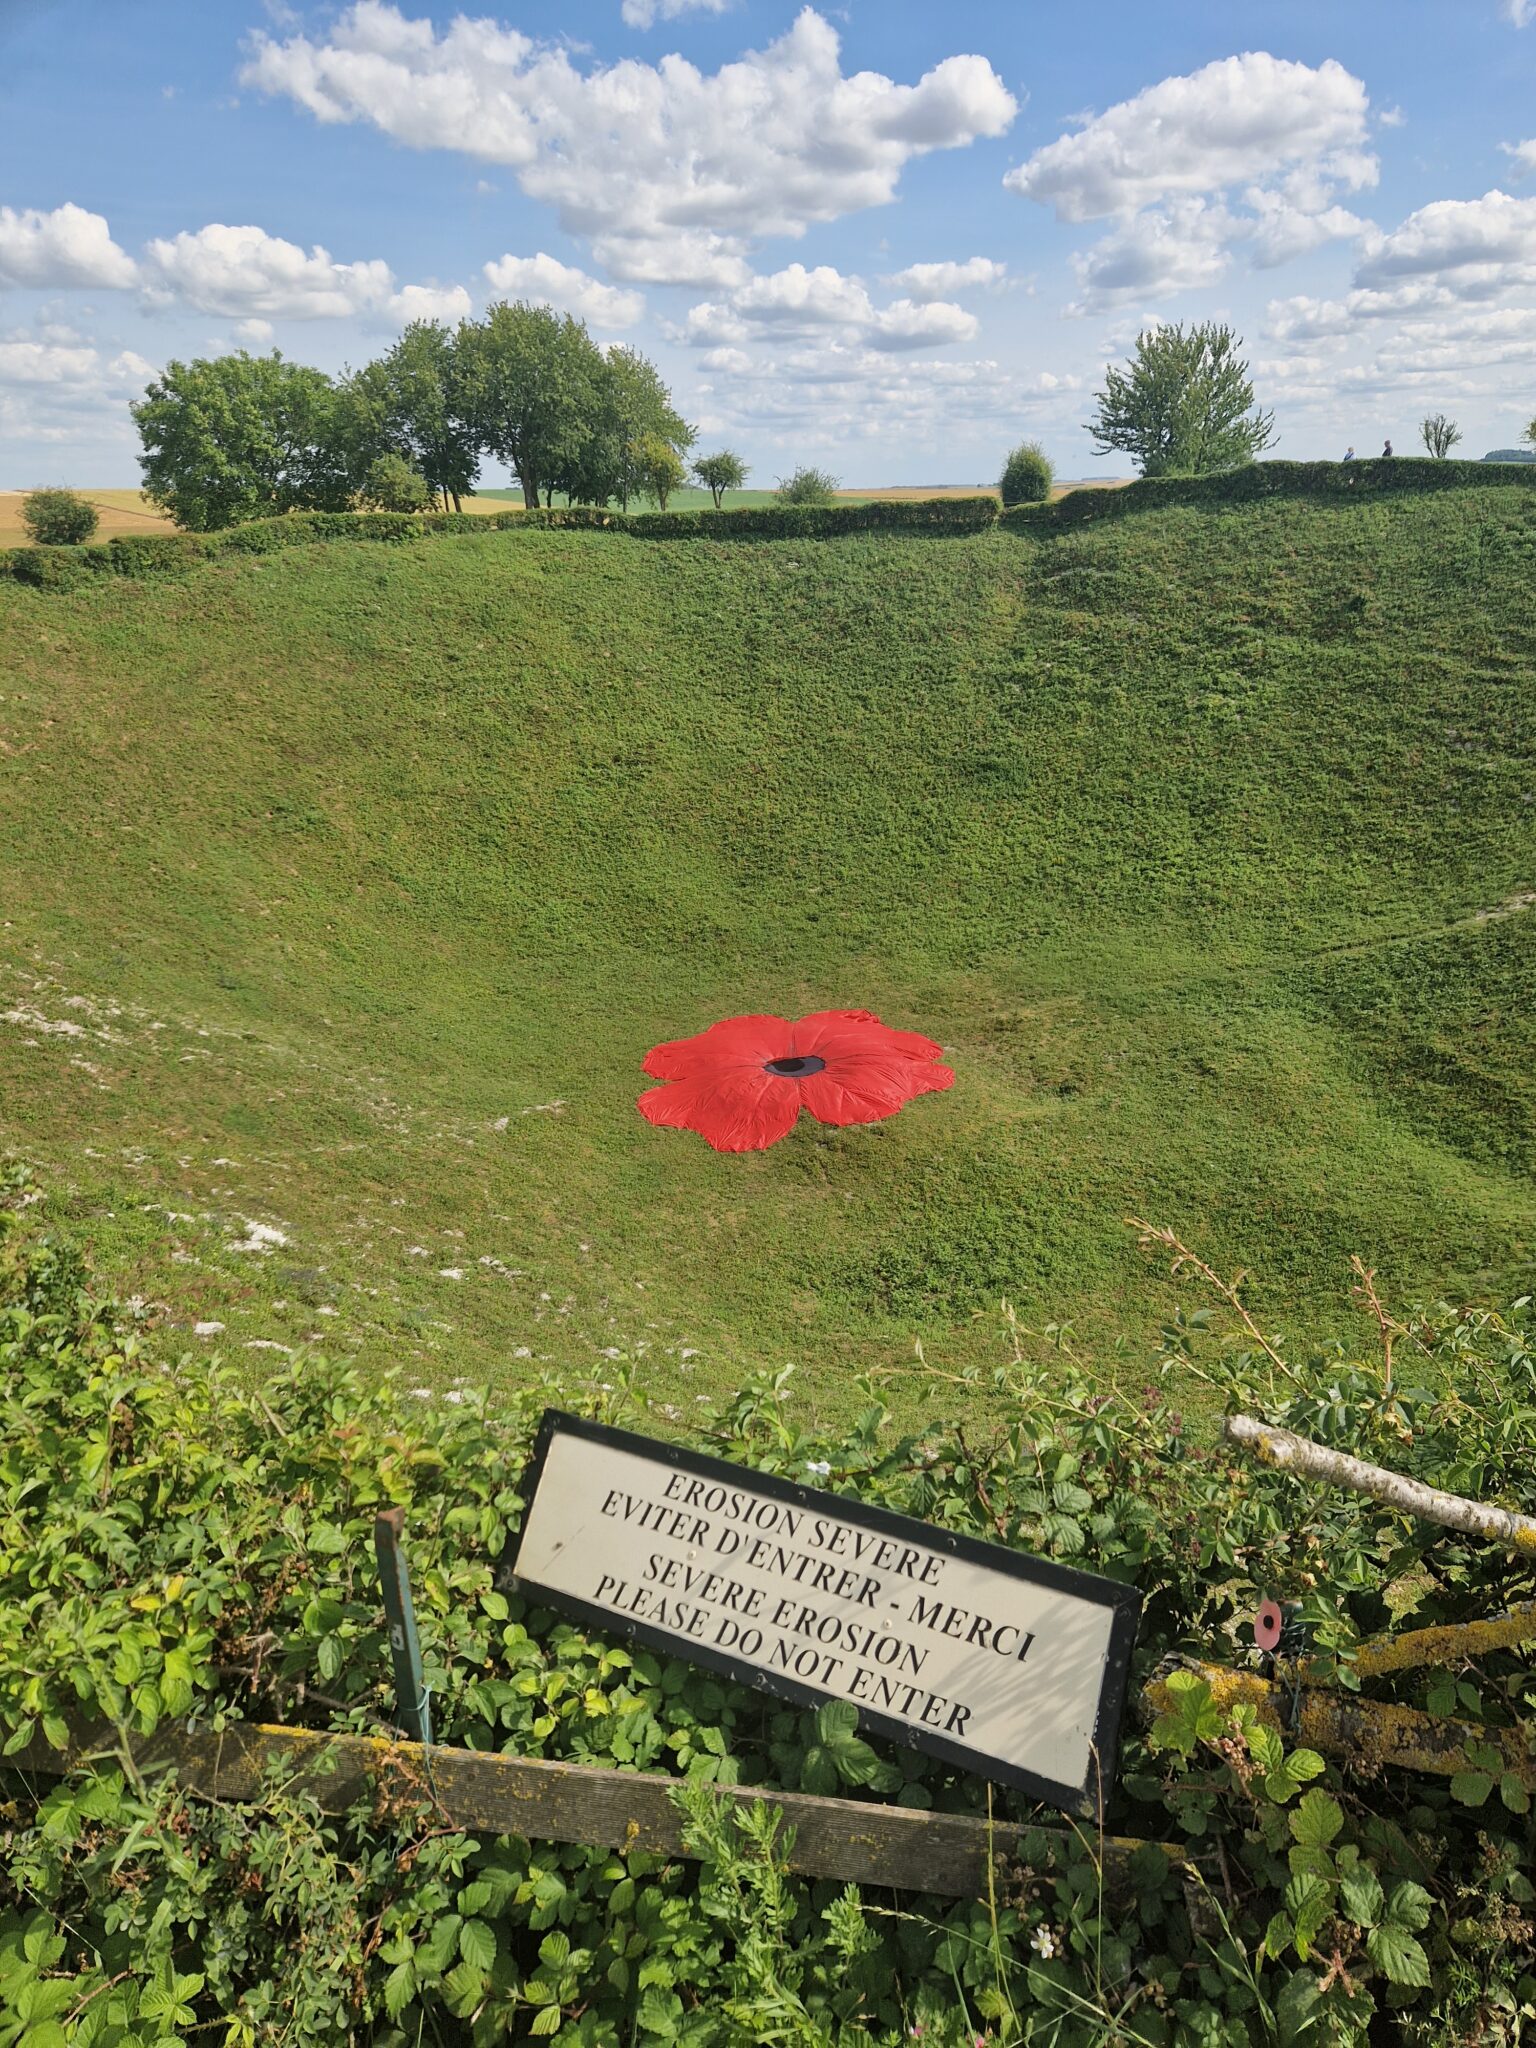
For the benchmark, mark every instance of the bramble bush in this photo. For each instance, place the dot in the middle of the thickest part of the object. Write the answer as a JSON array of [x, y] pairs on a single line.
[[179, 1541]]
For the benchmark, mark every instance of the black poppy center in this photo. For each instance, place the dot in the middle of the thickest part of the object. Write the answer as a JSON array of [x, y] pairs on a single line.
[[795, 1070]]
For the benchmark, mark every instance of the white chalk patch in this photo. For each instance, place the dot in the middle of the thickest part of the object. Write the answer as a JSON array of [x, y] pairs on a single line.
[[207, 1329], [259, 1237], [268, 1344], [450, 1272]]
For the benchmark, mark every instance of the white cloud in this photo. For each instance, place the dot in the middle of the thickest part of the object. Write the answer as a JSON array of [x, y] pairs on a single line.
[[66, 247], [1237, 121], [1524, 153], [258, 332], [429, 302], [798, 301], [642, 13], [38, 362], [938, 280], [670, 172], [563, 286], [244, 271], [1520, 12], [1475, 248], [1175, 249]]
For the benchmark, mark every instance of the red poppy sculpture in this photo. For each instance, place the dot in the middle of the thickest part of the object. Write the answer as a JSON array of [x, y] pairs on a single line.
[[743, 1083]]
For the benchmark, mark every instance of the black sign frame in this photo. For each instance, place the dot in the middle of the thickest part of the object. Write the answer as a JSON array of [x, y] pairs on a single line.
[[1124, 1602]]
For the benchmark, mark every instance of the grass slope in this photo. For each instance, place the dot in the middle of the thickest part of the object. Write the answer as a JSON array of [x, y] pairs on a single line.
[[344, 891]]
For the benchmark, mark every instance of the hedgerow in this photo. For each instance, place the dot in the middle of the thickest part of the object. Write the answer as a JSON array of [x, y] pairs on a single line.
[[181, 1542], [1399, 476], [57, 568]]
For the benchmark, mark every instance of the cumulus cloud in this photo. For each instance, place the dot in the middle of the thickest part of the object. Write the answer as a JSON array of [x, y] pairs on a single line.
[[1249, 152], [563, 286], [243, 272], [67, 247], [1237, 121], [798, 301], [643, 13], [669, 171], [1524, 153], [1163, 250], [938, 280], [1474, 248], [1520, 12]]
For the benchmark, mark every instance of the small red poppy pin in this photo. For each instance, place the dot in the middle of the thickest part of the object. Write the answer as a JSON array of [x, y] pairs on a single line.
[[743, 1083]]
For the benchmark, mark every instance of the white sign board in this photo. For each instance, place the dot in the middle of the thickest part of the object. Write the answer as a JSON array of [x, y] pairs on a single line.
[[1005, 1664]]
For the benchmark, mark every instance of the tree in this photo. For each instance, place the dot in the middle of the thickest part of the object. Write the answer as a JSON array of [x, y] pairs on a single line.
[[633, 406], [391, 485], [720, 473], [241, 437], [58, 518], [1184, 405], [410, 403], [659, 468], [531, 384], [806, 487], [1027, 475], [1439, 434]]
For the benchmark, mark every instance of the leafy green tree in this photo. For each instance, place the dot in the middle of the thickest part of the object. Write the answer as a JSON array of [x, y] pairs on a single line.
[[1439, 434], [531, 383], [410, 403], [391, 485], [720, 473], [1183, 405], [659, 468], [633, 407], [806, 487], [58, 518], [242, 437], [1027, 475]]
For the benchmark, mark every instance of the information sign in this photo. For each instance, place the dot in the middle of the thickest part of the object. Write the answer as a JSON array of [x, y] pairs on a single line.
[[1004, 1664]]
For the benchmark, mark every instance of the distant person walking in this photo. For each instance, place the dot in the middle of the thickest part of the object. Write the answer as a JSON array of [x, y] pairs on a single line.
[[1349, 453], [1386, 453]]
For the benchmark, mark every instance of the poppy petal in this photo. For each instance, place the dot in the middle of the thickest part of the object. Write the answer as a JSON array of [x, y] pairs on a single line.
[[732, 1112], [735, 1041], [833, 1032], [861, 1089]]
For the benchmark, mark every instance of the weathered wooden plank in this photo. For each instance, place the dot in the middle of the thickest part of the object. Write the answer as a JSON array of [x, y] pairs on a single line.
[[1365, 1733], [542, 1801]]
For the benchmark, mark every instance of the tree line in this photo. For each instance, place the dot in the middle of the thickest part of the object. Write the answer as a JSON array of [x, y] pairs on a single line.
[[238, 437]]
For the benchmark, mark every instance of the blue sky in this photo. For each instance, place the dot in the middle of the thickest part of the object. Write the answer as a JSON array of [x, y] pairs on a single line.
[[888, 237]]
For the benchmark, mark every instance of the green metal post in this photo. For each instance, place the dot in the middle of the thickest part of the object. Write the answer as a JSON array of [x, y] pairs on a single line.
[[413, 1708]]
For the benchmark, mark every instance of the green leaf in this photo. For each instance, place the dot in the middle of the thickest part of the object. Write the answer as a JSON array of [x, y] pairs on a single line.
[[1297, 2009], [1514, 1794], [1409, 1906], [1309, 1901], [1279, 1934], [547, 2020], [464, 1987], [477, 1943], [1362, 1896], [1471, 1788], [1317, 1820], [837, 1722], [399, 1988], [555, 1950], [1397, 1955]]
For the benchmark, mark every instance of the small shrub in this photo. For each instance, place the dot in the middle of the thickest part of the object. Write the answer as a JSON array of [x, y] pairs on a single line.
[[806, 487], [58, 519], [391, 485], [1028, 475]]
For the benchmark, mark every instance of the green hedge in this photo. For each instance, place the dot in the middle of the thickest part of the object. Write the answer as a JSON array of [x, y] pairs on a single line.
[[1403, 475], [63, 568]]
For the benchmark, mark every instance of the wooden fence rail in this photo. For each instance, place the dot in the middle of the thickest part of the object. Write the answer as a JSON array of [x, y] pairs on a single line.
[[487, 1793]]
